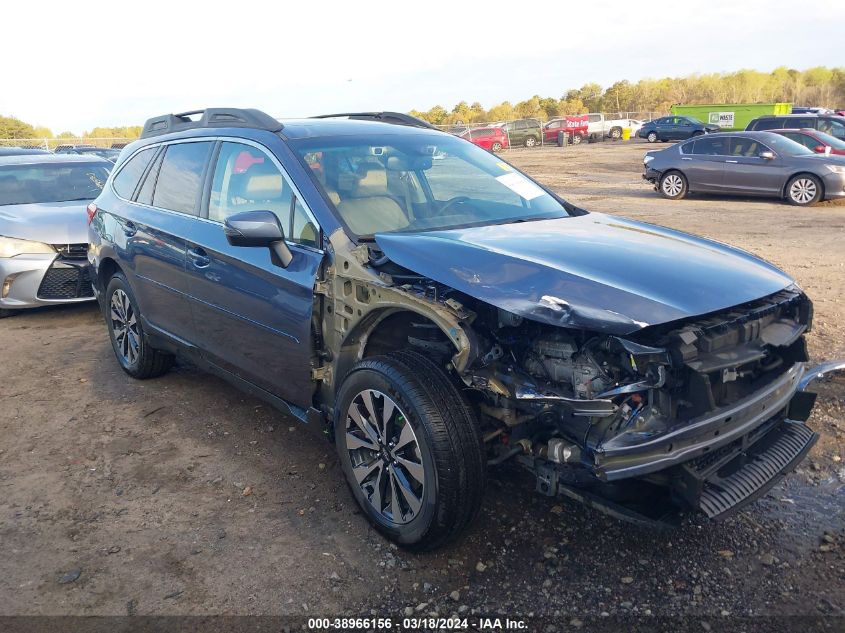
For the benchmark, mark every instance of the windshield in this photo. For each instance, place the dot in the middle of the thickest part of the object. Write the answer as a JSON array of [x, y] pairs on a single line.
[[827, 139], [784, 145], [55, 182], [420, 182]]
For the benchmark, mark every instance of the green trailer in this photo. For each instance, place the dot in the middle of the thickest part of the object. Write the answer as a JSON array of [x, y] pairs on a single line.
[[731, 116]]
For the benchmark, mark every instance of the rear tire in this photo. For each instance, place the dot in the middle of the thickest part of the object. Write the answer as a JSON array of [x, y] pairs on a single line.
[[616, 133], [804, 190], [531, 141], [131, 348], [425, 446], [576, 139], [674, 185]]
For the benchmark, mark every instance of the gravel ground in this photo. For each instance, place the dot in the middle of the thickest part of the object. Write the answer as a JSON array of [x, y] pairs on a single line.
[[181, 495]]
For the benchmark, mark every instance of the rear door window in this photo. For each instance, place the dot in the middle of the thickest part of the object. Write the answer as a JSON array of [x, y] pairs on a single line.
[[126, 181], [180, 177], [711, 146]]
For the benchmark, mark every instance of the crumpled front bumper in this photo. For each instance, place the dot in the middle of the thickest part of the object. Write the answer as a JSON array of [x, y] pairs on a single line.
[[629, 455]]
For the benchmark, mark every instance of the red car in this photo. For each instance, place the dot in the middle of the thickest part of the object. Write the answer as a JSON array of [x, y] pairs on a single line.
[[493, 139], [812, 139], [575, 127]]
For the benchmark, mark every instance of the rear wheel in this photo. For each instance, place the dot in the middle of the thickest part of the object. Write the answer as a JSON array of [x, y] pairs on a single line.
[[616, 133], [804, 190], [576, 139], [652, 137], [673, 185], [134, 353], [531, 141], [410, 449]]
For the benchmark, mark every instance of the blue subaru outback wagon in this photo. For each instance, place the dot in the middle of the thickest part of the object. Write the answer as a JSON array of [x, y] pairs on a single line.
[[435, 313]]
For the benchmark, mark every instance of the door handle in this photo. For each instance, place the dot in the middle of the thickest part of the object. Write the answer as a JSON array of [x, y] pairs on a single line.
[[685, 158], [731, 161], [199, 257], [129, 229]]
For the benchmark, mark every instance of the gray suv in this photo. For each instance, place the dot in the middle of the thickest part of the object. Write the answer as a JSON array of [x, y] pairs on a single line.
[[746, 163]]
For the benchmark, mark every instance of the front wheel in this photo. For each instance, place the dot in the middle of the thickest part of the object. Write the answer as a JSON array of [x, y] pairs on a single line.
[[134, 353], [652, 137], [804, 190], [673, 185], [6, 313], [576, 140], [497, 147], [410, 449]]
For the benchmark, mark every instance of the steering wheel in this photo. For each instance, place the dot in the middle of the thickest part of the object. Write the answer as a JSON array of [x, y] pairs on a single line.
[[453, 201]]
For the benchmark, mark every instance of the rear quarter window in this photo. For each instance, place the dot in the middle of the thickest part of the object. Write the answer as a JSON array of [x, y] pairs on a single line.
[[127, 178]]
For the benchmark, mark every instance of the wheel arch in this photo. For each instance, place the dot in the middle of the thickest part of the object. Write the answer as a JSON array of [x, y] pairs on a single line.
[[387, 329], [791, 177]]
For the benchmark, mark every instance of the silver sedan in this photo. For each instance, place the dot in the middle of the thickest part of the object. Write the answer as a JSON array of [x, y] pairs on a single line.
[[43, 228]]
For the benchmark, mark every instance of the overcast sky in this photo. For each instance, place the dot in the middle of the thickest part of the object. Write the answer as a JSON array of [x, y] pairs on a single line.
[[75, 65]]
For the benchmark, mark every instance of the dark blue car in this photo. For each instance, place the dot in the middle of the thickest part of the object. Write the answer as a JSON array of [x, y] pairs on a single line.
[[674, 128], [435, 312]]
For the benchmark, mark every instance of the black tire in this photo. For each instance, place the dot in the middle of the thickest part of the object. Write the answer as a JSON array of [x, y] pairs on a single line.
[[531, 141], [447, 444], [673, 185], [4, 314], [697, 133], [576, 139], [615, 133], [496, 147], [652, 137], [804, 190], [142, 360]]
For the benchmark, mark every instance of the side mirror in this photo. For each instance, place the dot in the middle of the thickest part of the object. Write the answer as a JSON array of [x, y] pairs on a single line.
[[767, 155], [258, 228], [819, 149]]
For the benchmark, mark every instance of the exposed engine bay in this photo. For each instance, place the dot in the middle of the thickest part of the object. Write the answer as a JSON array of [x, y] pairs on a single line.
[[677, 409]]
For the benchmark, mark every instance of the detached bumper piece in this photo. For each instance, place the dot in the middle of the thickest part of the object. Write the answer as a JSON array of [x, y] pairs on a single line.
[[722, 483], [65, 280]]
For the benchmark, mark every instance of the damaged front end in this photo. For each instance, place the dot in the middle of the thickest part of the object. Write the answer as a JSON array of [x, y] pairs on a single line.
[[703, 414]]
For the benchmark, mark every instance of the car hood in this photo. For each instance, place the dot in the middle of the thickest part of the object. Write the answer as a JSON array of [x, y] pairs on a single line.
[[51, 223], [594, 271]]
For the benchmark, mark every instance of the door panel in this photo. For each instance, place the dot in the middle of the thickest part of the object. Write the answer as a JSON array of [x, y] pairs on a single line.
[[746, 172], [705, 166], [253, 318]]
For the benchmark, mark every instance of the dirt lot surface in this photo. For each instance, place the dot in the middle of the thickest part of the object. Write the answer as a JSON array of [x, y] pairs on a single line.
[[181, 495]]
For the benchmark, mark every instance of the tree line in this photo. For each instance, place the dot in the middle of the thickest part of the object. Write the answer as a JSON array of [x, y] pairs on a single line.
[[819, 86], [11, 127]]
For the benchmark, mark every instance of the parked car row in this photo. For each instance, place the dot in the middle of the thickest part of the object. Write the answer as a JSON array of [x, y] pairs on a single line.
[[435, 312], [108, 153]]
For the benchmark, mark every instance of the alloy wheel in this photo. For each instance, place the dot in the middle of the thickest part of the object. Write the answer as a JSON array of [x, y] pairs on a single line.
[[530, 141], [672, 185], [125, 327], [803, 190], [652, 137], [385, 456]]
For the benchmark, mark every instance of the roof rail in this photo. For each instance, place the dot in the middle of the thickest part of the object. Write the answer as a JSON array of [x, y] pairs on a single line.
[[397, 118], [211, 118]]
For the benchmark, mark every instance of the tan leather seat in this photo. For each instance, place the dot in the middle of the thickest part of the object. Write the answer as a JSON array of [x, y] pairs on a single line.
[[367, 206]]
